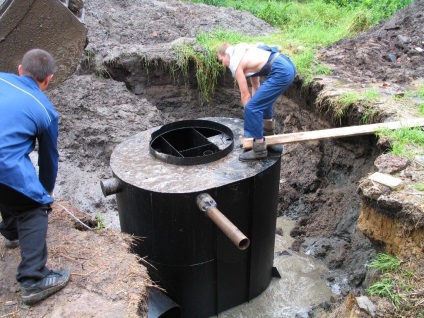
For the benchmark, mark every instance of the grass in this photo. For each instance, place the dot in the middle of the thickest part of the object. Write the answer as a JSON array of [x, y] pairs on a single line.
[[405, 142], [398, 283], [339, 106], [100, 221], [306, 25], [385, 263], [419, 186]]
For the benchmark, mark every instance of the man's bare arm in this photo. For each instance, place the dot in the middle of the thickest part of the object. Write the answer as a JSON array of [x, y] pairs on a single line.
[[255, 81], [242, 83]]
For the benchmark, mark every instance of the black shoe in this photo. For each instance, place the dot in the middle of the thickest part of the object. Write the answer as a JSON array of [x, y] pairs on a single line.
[[33, 292], [11, 244]]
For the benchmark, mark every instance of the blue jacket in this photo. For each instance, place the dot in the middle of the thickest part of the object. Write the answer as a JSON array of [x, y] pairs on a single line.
[[27, 115]]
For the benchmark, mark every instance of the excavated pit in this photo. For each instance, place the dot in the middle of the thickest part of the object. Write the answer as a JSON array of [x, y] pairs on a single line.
[[318, 180]]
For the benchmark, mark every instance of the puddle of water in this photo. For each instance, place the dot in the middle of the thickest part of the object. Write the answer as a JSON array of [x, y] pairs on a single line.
[[300, 287]]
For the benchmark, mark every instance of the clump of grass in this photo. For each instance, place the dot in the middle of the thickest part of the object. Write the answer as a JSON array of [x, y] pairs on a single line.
[[100, 221], [421, 109], [386, 288], [420, 92], [369, 100], [342, 104], [204, 58], [419, 186], [405, 142], [385, 263], [361, 21], [338, 106], [371, 95], [398, 283]]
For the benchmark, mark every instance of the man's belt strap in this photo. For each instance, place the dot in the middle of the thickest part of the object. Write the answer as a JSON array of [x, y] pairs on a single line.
[[272, 61]]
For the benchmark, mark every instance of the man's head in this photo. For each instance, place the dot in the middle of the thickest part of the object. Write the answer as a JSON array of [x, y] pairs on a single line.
[[39, 65], [223, 56]]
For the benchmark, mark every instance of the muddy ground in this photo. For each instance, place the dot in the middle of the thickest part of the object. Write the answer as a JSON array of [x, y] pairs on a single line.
[[319, 179]]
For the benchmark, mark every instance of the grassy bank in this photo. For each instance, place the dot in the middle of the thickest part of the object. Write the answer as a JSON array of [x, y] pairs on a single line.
[[304, 26]]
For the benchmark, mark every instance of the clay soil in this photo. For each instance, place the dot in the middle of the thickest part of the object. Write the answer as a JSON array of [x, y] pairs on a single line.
[[318, 180]]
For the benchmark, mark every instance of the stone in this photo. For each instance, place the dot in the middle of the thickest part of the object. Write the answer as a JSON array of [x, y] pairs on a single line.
[[387, 180], [390, 164], [364, 303]]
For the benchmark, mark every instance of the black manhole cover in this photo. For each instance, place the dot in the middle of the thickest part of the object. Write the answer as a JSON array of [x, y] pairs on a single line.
[[191, 142]]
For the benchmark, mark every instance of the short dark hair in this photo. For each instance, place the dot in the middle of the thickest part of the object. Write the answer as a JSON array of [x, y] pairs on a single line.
[[38, 64], [223, 48]]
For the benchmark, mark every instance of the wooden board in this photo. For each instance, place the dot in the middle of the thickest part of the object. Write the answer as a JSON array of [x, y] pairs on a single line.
[[247, 143]]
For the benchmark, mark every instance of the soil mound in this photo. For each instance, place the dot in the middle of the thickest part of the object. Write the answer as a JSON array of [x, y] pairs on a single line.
[[106, 280], [392, 51]]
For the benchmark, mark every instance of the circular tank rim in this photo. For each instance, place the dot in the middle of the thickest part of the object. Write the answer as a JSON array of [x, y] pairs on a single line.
[[191, 160], [132, 163]]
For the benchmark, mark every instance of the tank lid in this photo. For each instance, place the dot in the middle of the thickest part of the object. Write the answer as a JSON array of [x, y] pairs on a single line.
[[133, 162], [191, 142]]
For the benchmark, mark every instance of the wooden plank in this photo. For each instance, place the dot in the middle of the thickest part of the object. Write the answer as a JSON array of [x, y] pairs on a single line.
[[247, 143]]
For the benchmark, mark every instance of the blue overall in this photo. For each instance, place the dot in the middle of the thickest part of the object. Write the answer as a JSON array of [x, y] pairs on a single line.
[[260, 106]]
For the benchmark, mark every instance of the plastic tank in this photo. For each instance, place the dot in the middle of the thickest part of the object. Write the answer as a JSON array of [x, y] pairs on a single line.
[[160, 175]]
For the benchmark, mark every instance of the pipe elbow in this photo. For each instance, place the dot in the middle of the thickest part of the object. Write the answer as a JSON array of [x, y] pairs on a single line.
[[111, 186]]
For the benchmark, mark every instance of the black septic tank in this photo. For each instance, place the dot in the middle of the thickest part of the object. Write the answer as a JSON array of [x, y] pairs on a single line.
[[206, 220]]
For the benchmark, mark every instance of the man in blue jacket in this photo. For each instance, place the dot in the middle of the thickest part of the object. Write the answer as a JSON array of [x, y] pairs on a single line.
[[26, 117]]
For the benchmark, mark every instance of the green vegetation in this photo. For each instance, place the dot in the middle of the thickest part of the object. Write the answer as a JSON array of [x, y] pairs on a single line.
[[304, 26], [100, 221], [419, 187], [204, 58], [405, 142], [420, 95], [398, 283], [385, 263], [339, 106]]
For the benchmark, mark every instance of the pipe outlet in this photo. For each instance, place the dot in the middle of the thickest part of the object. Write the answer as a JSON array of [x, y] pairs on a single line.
[[208, 206], [111, 186]]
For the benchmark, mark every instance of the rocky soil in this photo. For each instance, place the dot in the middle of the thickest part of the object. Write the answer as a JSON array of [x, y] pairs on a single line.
[[319, 179]]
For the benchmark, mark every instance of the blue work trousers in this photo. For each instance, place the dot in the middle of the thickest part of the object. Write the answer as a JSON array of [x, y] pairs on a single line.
[[260, 106]]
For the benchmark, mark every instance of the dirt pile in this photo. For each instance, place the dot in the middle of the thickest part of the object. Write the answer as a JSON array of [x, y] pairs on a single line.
[[106, 280], [392, 51]]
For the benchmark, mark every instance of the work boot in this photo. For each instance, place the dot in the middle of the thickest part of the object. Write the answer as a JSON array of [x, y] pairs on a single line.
[[269, 130], [258, 152], [35, 291], [11, 244], [269, 127]]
